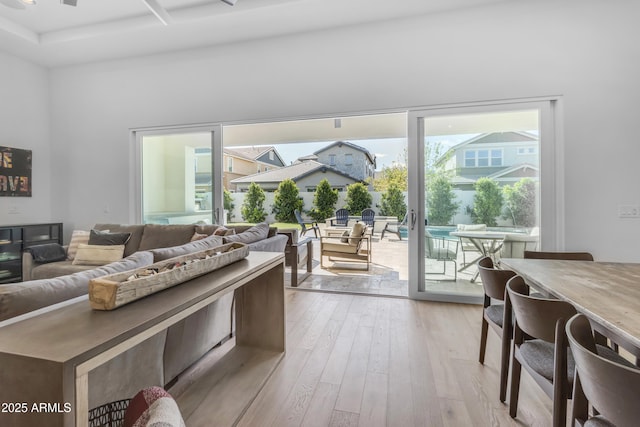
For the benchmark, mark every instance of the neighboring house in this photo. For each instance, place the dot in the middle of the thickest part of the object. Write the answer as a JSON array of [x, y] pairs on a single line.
[[505, 157], [349, 158], [305, 174], [243, 161]]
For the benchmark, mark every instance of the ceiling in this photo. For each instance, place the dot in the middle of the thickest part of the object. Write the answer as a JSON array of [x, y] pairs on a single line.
[[53, 35]]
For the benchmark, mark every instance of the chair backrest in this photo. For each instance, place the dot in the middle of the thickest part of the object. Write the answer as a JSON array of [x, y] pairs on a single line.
[[515, 245], [342, 216], [298, 215], [569, 256], [610, 387], [494, 281], [368, 216], [536, 317]]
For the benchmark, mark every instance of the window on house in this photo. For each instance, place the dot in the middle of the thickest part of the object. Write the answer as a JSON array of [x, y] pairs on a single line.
[[527, 150], [230, 164], [271, 155], [332, 159], [482, 158], [348, 159]]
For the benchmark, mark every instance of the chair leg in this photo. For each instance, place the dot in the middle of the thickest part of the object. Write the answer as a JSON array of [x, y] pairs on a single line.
[[505, 346], [483, 339], [515, 386], [559, 404]]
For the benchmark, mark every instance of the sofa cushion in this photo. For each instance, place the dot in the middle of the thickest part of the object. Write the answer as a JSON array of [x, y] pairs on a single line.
[[98, 254], [133, 245], [56, 269], [19, 298], [252, 234], [164, 236], [209, 242], [108, 238]]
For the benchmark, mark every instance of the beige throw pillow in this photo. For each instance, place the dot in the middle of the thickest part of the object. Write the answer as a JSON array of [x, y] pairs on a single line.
[[358, 230], [98, 254], [77, 237]]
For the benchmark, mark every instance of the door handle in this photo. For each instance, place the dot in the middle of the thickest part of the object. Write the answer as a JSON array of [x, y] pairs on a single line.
[[414, 218]]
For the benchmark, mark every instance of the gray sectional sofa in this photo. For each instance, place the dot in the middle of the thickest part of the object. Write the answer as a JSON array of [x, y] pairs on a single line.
[[161, 358]]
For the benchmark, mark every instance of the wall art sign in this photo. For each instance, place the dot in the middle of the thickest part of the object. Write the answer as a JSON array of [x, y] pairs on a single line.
[[15, 172]]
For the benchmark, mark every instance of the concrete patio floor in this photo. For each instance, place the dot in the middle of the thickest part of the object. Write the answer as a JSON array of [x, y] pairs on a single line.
[[388, 274]]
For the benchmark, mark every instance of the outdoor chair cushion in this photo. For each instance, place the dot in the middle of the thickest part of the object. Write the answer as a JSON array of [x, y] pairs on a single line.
[[340, 247]]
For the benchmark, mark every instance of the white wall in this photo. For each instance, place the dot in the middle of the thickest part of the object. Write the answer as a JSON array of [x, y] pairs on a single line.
[[24, 123], [585, 51]]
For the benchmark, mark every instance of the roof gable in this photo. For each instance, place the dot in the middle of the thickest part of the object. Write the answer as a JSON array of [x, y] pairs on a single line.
[[348, 144]]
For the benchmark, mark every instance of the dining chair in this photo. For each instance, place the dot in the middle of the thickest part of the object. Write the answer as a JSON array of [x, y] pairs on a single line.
[[569, 256], [467, 245], [540, 346], [611, 387], [441, 249], [494, 283]]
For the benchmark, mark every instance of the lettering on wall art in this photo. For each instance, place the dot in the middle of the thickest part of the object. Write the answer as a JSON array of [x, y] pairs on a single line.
[[15, 172]]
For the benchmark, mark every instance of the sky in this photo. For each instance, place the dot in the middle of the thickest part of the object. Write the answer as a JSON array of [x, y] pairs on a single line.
[[388, 151]]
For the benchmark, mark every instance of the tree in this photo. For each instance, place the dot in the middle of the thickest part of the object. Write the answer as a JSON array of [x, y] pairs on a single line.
[[286, 200], [253, 205], [441, 202], [520, 202], [395, 175], [324, 201], [358, 198], [228, 204], [487, 202], [392, 203]]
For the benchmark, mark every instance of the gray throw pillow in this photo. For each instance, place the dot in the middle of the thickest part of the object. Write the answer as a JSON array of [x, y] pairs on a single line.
[[105, 238], [254, 234]]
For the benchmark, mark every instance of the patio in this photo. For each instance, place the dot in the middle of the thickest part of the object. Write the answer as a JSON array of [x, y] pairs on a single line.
[[389, 272]]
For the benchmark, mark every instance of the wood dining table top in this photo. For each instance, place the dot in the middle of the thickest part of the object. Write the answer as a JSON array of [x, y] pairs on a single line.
[[607, 293]]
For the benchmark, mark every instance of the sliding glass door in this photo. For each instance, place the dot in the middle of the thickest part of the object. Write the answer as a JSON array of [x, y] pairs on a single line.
[[478, 177]]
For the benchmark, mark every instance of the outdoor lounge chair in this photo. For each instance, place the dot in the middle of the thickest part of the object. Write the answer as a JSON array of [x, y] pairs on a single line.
[[351, 245], [342, 218], [306, 225], [368, 217], [395, 227]]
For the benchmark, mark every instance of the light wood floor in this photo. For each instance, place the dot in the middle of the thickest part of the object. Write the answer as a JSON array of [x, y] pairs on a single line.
[[372, 361]]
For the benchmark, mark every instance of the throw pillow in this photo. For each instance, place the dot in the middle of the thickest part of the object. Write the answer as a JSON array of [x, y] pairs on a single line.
[[77, 237], [197, 236], [224, 231], [254, 234], [97, 237], [98, 254], [358, 230], [153, 406], [345, 236]]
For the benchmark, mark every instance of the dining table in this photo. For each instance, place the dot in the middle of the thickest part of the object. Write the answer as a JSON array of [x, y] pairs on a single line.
[[608, 293], [487, 243]]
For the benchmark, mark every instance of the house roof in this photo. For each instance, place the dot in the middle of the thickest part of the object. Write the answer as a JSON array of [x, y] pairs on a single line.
[[296, 172], [515, 172], [252, 153], [372, 159]]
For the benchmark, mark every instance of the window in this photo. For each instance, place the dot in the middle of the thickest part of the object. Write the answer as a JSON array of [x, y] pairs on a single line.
[[527, 150], [332, 159], [230, 164], [348, 159], [482, 158], [271, 156]]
